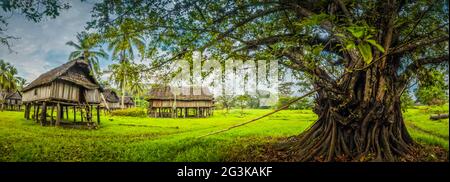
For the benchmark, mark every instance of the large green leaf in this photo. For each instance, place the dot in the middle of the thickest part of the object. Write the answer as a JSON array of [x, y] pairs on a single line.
[[374, 43], [350, 45], [357, 32], [366, 52]]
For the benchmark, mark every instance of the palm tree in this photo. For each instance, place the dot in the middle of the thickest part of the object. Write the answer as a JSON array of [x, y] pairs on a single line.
[[8, 80], [118, 75], [122, 46], [137, 88], [86, 48], [20, 83]]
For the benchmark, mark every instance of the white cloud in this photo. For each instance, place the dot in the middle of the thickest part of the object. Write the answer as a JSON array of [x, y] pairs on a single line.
[[41, 46]]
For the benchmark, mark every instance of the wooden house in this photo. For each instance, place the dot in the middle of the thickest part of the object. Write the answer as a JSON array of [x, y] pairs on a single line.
[[128, 102], [112, 100], [183, 102], [13, 101], [69, 85]]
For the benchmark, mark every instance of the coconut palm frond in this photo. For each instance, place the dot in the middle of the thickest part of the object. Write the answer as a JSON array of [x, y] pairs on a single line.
[[73, 44]]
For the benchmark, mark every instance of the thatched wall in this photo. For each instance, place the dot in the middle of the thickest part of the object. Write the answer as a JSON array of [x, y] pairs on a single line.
[[187, 97], [62, 91], [64, 83], [37, 93], [93, 96], [178, 103], [65, 91]]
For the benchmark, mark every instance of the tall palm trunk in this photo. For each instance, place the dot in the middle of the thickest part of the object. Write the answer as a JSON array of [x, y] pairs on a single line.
[[135, 101], [123, 91], [123, 62]]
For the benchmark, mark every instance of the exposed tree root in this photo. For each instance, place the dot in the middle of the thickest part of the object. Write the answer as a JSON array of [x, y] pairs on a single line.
[[273, 152], [370, 139]]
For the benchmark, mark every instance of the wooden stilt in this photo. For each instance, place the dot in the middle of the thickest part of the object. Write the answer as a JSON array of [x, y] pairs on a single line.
[[67, 112], [74, 114], [91, 113], [58, 114], [37, 114], [44, 114], [25, 113], [34, 112], [61, 112], [52, 121], [81, 112], [98, 115], [196, 112]]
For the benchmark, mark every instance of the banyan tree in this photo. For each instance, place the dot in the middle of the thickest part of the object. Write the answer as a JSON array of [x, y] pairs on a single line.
[[70, 85], [360, 56]]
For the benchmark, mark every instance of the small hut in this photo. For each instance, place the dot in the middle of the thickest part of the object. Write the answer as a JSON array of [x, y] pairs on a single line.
[[128, 102], [112, 100], [13, 101], [182, 102], [69, 85]]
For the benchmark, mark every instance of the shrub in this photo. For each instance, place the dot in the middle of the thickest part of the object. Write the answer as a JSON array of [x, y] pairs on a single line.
[[135, 112]]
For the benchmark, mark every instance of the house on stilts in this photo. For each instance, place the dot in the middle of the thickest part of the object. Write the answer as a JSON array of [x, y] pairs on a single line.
[[13, 101], [69, 86], [111, 100], [128, 102], [166, 101]]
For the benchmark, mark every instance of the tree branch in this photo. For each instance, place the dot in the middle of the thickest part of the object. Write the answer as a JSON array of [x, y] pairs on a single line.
[[413, 67], [422, 42], [324, 78], [236, 10], [345, 10]]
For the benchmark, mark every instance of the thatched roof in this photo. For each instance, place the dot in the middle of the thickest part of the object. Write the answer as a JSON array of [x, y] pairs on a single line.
[[111, 96], [14, 95], [183, 93], [128, 100], [76, 71]]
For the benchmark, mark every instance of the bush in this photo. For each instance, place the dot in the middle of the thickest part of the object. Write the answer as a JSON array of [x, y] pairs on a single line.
[[134, 112]]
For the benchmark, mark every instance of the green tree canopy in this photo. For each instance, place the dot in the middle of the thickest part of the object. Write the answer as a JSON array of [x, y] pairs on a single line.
[[88, 48], [360, 55]]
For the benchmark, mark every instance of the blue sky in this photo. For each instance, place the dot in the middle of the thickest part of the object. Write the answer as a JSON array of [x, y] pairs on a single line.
[[41, 46]]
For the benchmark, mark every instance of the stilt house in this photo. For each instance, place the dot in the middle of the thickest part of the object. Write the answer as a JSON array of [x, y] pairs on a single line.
[[128, 102], [13, 101], [112, 100], [166, 101], [70, 85]]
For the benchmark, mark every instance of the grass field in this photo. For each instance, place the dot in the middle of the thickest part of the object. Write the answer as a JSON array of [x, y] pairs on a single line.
[[150, 139]]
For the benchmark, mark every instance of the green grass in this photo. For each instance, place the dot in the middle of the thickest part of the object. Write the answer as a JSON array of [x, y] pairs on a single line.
[[152, 139], [427, 131]]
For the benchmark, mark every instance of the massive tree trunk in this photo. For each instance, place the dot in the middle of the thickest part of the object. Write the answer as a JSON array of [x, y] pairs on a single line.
[[363, 122]]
